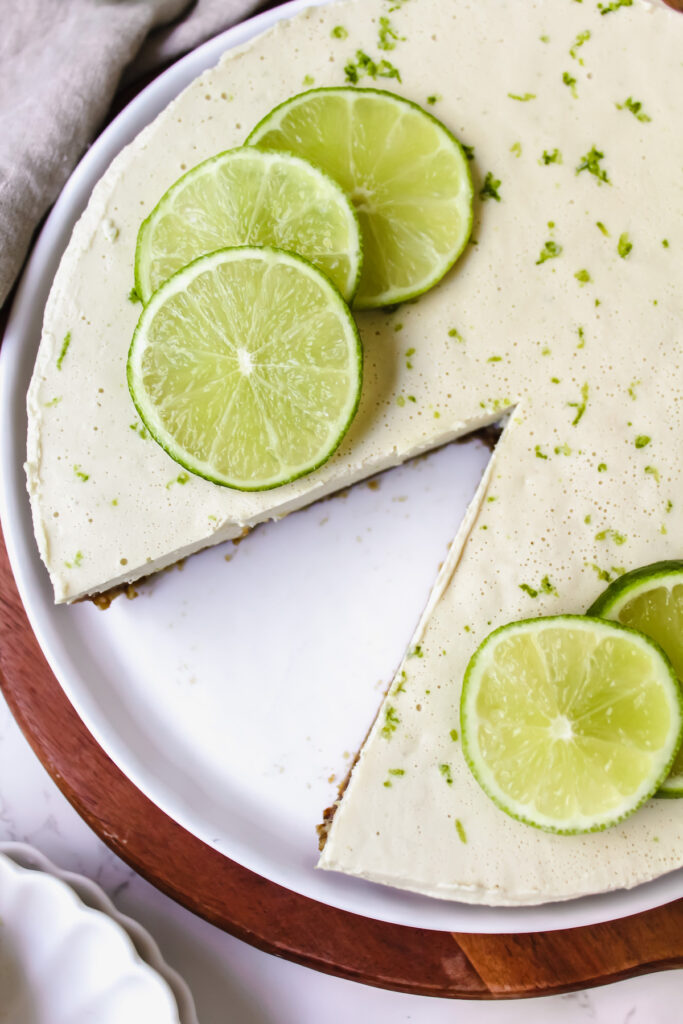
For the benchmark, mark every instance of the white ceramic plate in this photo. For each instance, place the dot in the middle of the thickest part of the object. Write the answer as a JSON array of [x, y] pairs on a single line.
[[232, 694], [68, 957]]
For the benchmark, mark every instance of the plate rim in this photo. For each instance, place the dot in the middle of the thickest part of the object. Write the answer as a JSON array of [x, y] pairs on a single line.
[[127, 123]]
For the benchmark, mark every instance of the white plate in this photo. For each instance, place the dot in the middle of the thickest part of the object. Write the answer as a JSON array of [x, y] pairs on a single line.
[[67, 955], [230, 694]]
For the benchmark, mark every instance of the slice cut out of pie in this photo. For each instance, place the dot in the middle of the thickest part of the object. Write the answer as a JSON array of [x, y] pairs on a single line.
[[565, 314]]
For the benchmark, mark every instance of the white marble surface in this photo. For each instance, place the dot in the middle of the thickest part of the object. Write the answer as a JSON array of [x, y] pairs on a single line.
[[235, 984]]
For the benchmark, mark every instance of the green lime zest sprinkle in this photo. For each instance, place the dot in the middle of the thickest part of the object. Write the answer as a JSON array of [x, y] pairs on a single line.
[[455, 333], [523, 98], [516, 148], [467, 150], [669, 505], [494, 359], [624, 246], [547, 587], [554, 157], [539, 453], [489, 190], [582, 337], [570, 81], [632, 389], [590, 162], [400, 685], [400, 401], [602, 467], [388, 36], [582, 276], [460, 829], [603, 574], [181, 479], [665, 243], [114, 502], [78, 558], [80, 474], [562, 449], [602, 228], [445, 770], [636, 108], [53, 401], [416, 652], [434, 98], [544, 39], [610, 534], [64, 349], [308, 80], [454, 735], [339, 32], [396, 771], [365, 65], [642, 440], [531, 591], [652, 471], [140, 429], [550, 251], [587, 518], [614, 6], [580, 406], [133, 295], [582, 38], [391, 722]]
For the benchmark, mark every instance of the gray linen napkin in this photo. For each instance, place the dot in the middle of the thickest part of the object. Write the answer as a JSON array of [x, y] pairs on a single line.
[[61, 62]]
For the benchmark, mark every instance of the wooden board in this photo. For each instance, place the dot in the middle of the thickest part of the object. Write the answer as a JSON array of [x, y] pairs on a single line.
[[279, 921]]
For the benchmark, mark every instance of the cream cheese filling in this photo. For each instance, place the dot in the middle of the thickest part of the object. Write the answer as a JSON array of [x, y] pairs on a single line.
[[566, 308]]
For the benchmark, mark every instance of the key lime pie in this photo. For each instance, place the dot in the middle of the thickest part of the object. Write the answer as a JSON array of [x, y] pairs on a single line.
[[563, 314]]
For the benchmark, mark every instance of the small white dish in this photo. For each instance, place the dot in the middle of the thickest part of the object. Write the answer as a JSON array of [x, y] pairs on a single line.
[[67, 954]]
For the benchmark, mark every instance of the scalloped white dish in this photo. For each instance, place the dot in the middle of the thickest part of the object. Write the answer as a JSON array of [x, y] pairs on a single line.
[[67, 955], [183, 687]]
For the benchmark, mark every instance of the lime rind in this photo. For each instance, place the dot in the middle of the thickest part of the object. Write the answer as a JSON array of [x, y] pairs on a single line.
[[485, 777], [173, 286], [271, 123], [620, 593], [145, 282]]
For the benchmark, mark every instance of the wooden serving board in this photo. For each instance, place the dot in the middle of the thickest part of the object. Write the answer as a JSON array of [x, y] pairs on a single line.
[[278, 921]]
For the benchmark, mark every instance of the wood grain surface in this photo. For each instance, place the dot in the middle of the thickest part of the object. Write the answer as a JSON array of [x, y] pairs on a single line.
[[273, 918], [463, 966]]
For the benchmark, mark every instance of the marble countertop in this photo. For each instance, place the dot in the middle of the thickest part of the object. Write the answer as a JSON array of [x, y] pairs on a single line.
[[235, 984]]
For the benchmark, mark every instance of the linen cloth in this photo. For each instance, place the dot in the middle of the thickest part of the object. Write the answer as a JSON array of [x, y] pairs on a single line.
[[61, 62]]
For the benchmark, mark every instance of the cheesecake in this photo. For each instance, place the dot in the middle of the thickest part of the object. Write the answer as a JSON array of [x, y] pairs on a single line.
[[563, 318]]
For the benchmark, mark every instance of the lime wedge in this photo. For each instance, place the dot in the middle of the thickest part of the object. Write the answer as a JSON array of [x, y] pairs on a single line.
[[247, 197], [651, 600], [246, 367], [569, 723], [404, 172]]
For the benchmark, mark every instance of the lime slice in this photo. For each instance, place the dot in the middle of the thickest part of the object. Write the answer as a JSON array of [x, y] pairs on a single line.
[[570, 723], [247, 197], [246, 367], [651, 600], [404, 172]]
